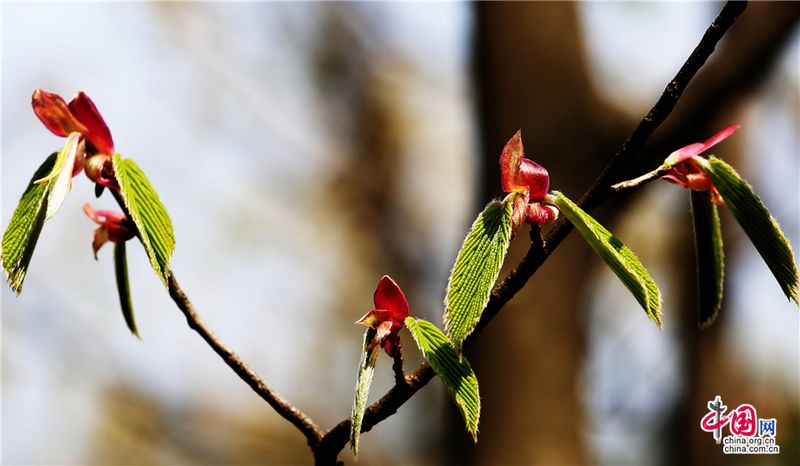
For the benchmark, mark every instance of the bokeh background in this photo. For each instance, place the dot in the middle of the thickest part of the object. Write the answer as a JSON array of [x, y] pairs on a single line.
[[305, 149]]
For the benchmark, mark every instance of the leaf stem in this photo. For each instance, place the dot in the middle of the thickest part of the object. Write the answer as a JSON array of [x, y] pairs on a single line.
[[641, 180]]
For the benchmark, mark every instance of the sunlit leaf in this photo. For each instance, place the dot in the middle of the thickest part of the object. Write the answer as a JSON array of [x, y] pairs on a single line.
[[621, 260], [476, 269], [123, 286], [454, 370], [147, 212], [19, 239], [759, 225], [710, 257], [59, 180], [366, 369]]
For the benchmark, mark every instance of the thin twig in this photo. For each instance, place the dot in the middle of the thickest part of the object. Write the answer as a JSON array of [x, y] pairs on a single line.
[[245, 372], [336, 438], [641, 180], [598, 192], [397, 367], [285, 409]]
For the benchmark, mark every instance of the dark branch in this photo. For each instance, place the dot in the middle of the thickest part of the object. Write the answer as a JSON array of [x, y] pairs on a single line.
[[397, 367], [284, 408], [299, 419], [336, 438], [599, 191]]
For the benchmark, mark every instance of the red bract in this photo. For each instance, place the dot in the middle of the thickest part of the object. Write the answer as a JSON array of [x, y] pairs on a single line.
[[528, 182], [686, 166], [113, 227], [79, 116], [388, 317]]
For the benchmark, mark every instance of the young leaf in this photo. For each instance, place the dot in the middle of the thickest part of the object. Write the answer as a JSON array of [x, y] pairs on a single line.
[[710, 257], [475, 270], [149, 215], [59, 179], [757, 223], [622, 261], [366, 369], [19, 239], [123, 287], [454, 370]]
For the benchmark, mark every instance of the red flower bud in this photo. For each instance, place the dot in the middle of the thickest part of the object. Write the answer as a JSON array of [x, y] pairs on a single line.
[[114, 227], [55, 114], [388, 317], [529, 182], [100, 169], [686, 166], [79, 116]]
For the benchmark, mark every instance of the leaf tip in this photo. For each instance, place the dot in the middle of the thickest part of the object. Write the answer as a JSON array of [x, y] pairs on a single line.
[[354, 446], [758, 223], [15, 287], [656, 314], [10, 280], [472, 428]]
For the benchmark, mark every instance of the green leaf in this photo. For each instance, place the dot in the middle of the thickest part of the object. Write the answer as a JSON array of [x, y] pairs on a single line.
[[147, 212], [475, 270], [710, 257], [366, 369], [19, 239], [759, 225], [622, 261], [454, 370], [123, 286]]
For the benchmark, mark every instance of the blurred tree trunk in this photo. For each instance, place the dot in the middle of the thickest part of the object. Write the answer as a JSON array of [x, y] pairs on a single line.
[[531, 75]]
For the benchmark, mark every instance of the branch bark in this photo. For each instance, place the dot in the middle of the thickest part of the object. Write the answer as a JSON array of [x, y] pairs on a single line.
[[300, 420]]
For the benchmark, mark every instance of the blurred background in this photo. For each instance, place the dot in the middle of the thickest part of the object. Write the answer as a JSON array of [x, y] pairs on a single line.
[[305, 149]]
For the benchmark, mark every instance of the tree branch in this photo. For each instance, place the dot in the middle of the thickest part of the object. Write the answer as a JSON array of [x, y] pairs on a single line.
[[285, 409], [336, 438], [397, 367], [599, 191], [299, 419]]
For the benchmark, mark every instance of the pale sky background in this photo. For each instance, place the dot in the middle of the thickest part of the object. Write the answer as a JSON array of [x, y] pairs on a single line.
[[216, 103]]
